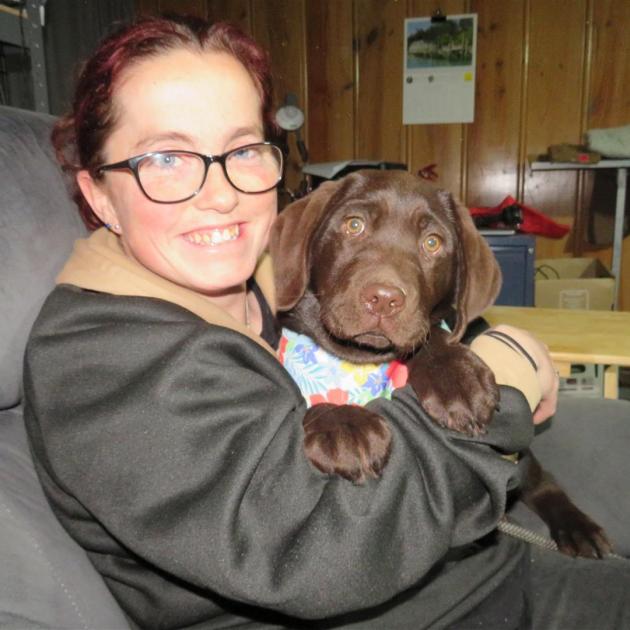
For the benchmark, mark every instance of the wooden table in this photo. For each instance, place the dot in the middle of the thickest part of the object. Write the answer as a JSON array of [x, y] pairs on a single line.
[[575, 337]]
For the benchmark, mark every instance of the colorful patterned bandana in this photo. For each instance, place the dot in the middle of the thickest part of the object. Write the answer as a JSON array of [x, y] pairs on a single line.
[[322, 377]]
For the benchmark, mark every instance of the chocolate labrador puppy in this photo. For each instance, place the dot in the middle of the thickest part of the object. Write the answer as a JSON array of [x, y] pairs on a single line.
[[369, 267]]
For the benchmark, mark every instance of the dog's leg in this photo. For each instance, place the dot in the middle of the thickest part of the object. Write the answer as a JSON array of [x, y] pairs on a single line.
[[575, 533], [346, 440], [455, 387]]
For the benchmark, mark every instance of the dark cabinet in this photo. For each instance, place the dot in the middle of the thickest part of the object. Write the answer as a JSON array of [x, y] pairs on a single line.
[[515, 254]]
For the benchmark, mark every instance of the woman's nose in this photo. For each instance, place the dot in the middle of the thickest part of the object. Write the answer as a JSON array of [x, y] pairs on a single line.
[[217, 193]]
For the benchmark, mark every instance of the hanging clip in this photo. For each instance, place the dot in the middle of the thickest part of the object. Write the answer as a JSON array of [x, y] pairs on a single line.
[[438, 16], [428, 172]]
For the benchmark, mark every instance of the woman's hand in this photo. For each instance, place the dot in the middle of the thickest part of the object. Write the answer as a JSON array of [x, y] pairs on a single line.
[[547, 374]]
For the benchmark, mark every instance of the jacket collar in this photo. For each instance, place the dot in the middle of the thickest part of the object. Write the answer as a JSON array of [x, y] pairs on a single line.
[[99, 263]]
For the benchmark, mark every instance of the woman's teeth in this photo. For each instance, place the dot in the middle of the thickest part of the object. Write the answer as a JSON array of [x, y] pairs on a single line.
[[213, 237]]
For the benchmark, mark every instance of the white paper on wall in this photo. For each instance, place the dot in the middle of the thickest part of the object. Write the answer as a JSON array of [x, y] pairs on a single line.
[[439, 70]]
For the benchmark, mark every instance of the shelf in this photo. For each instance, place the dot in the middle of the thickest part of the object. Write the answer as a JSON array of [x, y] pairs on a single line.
[[539, 165], [24, 28], [621, 166]]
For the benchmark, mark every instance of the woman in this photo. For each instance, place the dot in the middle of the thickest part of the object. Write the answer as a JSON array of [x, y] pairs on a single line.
[[169, 438]]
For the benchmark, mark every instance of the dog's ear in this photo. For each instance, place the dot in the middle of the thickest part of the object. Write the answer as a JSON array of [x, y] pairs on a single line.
[[289, 243], [478, 275]]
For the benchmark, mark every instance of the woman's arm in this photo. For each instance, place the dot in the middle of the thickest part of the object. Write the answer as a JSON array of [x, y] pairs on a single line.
[[520, 360]]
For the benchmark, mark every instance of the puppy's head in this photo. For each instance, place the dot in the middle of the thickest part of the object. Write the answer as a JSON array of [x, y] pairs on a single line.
[[367, 264]]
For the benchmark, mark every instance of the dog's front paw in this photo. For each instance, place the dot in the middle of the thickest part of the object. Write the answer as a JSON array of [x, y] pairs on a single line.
[[456, 388], [346, 440]]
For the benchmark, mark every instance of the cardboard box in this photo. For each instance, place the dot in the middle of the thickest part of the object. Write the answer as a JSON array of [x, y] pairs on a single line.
[[582, 283]]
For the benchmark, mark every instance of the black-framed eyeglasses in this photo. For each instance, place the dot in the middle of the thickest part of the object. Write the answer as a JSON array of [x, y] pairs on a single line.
[[175, 176]]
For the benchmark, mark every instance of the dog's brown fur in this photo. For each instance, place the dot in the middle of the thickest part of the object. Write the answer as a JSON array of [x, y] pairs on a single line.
[[357, 270]]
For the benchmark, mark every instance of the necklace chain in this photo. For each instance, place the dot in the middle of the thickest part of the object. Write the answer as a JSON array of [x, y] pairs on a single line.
[[246, 311]]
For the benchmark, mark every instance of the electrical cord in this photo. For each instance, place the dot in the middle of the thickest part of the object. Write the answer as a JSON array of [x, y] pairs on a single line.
[[543, 270]]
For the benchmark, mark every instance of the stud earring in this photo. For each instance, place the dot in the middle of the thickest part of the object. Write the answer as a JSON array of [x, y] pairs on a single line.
[[112, 228]]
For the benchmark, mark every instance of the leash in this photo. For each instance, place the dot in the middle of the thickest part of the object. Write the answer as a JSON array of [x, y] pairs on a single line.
[[533, 538]]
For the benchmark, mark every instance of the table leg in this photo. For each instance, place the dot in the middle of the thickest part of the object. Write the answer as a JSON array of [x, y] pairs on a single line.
[[564, 368], [620, 207], [611, 381]]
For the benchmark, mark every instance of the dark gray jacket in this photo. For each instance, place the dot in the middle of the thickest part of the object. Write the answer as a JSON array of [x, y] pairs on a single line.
[[171, 450]]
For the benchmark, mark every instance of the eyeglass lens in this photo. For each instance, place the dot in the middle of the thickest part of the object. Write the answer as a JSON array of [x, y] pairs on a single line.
[[173, 176]]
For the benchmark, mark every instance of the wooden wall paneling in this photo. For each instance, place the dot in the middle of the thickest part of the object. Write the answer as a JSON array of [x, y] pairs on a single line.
[[183, 7], [236, 11], [609, 102], [609, 98], [380, 133], [494, 138], [584, 179], [330, 79], [147, 7], [587, 179], [278, 25], [553, 107], [443, 145]]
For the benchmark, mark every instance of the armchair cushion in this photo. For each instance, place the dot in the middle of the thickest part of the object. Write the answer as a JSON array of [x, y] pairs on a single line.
[[47, 580], [38, 224]]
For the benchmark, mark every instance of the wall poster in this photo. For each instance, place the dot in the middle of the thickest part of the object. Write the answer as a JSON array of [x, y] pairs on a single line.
[[439, 69]]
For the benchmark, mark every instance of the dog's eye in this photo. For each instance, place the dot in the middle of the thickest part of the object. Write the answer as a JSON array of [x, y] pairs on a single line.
[[432, 244], [354, 226]]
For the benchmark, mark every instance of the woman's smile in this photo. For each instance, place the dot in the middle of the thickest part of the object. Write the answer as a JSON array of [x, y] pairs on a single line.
[[213, 236]]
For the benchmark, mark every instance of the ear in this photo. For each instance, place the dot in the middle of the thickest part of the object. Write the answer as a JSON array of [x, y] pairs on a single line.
[[97, 197], [478, 275], [290, 240]]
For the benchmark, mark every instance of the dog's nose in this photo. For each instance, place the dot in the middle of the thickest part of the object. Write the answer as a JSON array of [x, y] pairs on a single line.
[[383, 299]]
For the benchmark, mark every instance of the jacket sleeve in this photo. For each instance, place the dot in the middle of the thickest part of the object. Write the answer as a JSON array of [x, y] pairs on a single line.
[[184, 441]]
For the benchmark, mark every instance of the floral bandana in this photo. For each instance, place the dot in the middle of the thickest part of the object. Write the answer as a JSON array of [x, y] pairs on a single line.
[[323, 377]]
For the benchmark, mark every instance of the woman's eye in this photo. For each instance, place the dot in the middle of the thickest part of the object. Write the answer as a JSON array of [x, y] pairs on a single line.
[[354, 226], [432, 244], [246, 153], [165, 160]]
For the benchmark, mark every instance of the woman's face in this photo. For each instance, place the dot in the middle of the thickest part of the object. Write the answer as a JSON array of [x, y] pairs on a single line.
[[204, 102]]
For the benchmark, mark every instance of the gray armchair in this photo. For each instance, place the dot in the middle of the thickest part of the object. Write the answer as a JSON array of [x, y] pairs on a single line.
[[46, 579]]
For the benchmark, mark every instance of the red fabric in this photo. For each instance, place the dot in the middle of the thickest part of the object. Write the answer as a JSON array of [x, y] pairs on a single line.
[[534, 222], [398, 373], [334, 396]]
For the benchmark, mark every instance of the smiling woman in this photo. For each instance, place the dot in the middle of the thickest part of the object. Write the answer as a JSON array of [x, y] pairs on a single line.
[[160, 213]]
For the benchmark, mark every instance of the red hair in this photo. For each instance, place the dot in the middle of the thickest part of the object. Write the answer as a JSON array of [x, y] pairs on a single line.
[[79, 136]]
